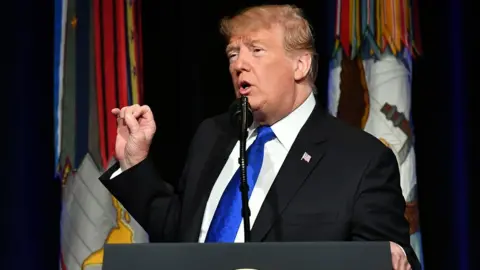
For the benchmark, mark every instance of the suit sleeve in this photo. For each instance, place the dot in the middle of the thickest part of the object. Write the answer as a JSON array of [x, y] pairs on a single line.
[[153, 202], [378, 213]]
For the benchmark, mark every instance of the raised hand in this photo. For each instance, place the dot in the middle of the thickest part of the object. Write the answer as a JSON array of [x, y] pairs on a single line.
[[135, 130]]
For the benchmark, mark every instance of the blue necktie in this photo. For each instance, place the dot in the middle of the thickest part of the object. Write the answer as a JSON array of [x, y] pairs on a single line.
[[228, 215]]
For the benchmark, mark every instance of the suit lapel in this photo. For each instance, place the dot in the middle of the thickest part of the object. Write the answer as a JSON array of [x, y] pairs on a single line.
[[215, 162], [295, 170]]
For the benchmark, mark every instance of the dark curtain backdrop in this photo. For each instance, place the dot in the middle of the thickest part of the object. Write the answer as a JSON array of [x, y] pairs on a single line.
[[186, 81]]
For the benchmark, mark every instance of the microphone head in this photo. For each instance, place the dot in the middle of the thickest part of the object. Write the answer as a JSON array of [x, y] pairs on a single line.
[[236, 112]]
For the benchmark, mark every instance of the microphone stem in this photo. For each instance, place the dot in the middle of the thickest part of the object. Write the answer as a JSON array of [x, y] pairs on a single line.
[[243, 169]]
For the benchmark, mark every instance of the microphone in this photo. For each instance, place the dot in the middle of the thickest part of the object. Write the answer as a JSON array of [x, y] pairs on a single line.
[[242, 117], [241, 108]]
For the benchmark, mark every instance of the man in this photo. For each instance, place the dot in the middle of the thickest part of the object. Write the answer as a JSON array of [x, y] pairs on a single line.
[[316, 178]]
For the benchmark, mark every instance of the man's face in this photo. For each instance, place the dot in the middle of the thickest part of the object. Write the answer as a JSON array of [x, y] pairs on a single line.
[[262, 70]]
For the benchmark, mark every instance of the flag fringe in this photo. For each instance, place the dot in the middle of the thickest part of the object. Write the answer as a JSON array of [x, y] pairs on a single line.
[[371, 28]]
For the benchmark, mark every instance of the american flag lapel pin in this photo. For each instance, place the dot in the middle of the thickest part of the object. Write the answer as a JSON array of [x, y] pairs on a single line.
[[306, 157]]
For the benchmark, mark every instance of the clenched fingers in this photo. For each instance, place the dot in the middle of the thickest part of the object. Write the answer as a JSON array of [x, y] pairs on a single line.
[[131, 122], [135, 110], [129, 110], [144, 112]]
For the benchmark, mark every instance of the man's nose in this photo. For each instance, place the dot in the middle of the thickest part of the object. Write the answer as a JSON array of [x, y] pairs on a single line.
[[241, 64]]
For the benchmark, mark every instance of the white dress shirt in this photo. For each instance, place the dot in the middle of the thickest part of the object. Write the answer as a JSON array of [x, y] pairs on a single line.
[[276, 150]]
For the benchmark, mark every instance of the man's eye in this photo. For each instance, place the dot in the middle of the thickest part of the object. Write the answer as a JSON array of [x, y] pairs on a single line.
[[258, 51]]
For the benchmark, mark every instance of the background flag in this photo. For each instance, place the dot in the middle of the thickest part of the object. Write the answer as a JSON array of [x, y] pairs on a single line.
[[59, 47], [370, 82], [98, 67]]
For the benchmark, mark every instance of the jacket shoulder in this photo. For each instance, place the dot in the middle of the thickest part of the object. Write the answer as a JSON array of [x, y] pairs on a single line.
[[354, 139]]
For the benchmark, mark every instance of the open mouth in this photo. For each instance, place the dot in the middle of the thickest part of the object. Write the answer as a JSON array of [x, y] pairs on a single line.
[[244, 85]]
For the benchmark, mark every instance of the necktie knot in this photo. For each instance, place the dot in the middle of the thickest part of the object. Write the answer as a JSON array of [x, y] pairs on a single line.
[[265, 134]]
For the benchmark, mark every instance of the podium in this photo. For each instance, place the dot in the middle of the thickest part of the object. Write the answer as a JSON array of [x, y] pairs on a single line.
[[253, 255]]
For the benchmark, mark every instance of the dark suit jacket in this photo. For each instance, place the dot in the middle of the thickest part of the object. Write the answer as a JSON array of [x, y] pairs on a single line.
[[350, 189]]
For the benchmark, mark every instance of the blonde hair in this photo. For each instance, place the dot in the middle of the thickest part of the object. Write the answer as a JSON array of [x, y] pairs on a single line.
[[298, 34]]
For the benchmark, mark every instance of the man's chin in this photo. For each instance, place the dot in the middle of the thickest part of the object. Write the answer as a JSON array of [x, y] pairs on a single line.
[[253, 102]]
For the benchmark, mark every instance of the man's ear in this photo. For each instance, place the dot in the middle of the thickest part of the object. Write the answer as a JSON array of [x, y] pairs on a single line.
[[303, 62]]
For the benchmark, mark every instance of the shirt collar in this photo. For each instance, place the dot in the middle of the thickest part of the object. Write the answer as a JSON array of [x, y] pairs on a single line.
[[287, 129]]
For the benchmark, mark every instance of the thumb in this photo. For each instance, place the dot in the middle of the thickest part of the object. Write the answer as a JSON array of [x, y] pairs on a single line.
[[132, 123]]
